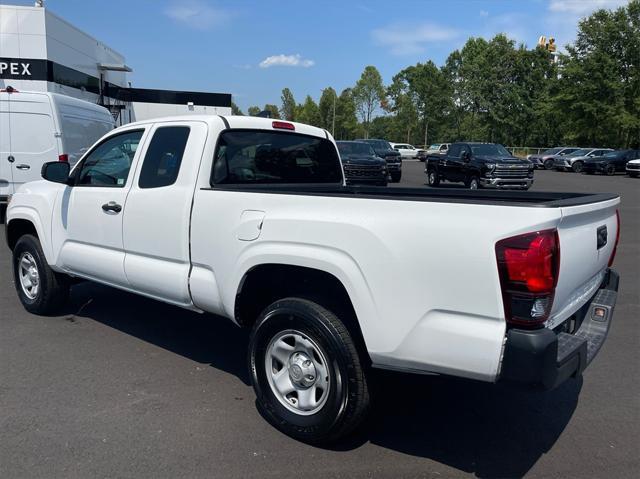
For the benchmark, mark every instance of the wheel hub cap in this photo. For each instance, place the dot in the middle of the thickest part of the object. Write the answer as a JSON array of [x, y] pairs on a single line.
[[28, 275], [302, 370]]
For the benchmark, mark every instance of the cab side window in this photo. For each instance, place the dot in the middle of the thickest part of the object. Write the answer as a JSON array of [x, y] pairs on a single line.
[[455, 151], [109, 163], [164, 157]]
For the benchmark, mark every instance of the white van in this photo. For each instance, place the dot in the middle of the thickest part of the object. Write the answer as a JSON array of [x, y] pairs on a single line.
[[37, 127]]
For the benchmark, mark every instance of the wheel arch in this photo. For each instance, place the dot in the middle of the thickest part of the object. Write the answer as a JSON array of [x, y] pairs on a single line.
[[264, 283]]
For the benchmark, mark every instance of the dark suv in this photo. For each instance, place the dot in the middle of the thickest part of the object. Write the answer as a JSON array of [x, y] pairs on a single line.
[[361, 164], [480, 165], [394, 160]]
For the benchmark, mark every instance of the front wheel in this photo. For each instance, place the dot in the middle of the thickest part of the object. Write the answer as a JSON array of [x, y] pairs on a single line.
[[395, 177], [306, 371], [474, 183], [432, 178], [548, 164], [40, 289], [633, 175], [610, 170]]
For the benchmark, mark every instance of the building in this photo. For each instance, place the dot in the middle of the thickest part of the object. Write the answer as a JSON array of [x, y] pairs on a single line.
[[40, 51]]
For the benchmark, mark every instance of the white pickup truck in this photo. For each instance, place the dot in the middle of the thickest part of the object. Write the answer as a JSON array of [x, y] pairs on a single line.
[[249, 218]]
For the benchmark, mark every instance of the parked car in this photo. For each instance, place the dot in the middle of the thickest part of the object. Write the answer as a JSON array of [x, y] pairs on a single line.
[[438, 149], [575, 161], [480, 165], [546, 158], [392, 157], [633, 168], [610, 163], [406, 150], [37, 127], [361, 165], [257, 226]]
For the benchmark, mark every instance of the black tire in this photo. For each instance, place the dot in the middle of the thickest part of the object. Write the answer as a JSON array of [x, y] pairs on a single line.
[[548, 164], [590, 172], [53, 288], [347, 399], [577, 167], [610, 170], [395, 177], [473, 183], [633, 175], [433, 179]]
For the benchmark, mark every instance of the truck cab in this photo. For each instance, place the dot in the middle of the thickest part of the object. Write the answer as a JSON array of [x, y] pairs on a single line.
[[480, 165]]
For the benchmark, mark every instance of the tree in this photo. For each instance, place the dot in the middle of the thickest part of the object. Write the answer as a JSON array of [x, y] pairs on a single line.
[[288, 108], [253, 110], [235, 110], [326, 107], [346, 119], [273, 110], [368, 94], [308, 112]]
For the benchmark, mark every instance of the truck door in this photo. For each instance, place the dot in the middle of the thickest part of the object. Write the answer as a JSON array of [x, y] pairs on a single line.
[[32, 133], [89, 222], [158, 211]]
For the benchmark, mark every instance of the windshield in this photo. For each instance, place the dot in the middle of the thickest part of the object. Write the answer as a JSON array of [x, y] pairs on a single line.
[[489, 149], [581, 152], [355, 148], [380, 144], [552, 151], [435, 146]]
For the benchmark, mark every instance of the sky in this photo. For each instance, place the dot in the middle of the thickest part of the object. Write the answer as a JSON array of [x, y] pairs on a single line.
[[253, 49]]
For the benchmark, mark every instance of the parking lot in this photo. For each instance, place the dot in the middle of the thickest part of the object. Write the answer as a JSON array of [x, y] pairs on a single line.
[[123, 386]]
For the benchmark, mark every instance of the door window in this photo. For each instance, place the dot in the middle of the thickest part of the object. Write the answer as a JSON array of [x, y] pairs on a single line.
[[109, 163], [455, 151], [164, 157]]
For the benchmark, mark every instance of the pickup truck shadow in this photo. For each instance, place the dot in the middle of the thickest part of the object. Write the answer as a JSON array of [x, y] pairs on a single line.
[[488, 430]]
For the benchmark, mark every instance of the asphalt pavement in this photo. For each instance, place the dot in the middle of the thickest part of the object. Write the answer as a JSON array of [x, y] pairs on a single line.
[[121, 386]]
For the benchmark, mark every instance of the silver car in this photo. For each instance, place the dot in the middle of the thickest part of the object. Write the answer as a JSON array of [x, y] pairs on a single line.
[[575, 161], [546, 158]]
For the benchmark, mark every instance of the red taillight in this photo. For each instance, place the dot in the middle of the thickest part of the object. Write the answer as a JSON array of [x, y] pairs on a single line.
[[64, 157], [615, 246], [528, 266], [283, 125]]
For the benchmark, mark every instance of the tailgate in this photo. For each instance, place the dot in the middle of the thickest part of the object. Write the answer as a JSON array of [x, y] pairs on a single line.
[[583, 261]]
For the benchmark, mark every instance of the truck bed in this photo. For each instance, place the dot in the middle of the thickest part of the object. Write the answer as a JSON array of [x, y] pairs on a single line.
[[542, 199]]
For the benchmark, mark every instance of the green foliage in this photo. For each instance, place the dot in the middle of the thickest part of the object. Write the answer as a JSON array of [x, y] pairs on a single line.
[[368, 95], [346, 120], [273, 110], [235, 110], [253, 110], [326, 107], [288, 108], [308, 112]]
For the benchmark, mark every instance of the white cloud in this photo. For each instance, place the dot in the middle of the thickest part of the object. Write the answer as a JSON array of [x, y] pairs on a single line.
[[484, 13], [411, 39], [583, 7], [197, 14], [286, 61]]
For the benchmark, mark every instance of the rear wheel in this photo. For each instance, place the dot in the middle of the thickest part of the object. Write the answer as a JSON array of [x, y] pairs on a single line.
[[548, 164], [577, 167], [306, 372], [40, 289], [610, 170], [432, 178]]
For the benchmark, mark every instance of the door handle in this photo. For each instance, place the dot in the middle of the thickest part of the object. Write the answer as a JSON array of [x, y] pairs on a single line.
[[112, 206], [23, 167]]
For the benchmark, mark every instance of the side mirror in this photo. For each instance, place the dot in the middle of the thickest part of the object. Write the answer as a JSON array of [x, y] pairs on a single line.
[[56, 171]]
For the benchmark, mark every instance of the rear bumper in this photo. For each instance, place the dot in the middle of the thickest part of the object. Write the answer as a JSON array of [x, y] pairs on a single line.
[[507, 183], [546, 358]]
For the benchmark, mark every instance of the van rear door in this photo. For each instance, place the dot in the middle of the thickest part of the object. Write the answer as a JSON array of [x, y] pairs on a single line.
[[6, 181], [32, 133]]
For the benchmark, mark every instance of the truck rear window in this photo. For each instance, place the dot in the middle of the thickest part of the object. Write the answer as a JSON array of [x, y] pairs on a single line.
[[258, 156]]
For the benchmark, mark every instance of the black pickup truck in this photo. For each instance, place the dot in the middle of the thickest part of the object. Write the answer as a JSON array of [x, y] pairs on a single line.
[[480, 165], [393, 158]]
